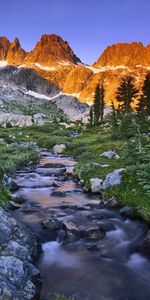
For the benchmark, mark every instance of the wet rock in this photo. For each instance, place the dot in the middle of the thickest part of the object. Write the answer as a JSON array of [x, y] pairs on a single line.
[[92, 233], [52, 165], [58, 194], [95, 185], [52, 224], [113, 179], [13, 205], [61, 235], [100, 215], [110, 154], [144, 246], [72, 231], [92, 247], [17, 199], [51, 171], [126, 211], [111, 202], [58, 149], [107, 226]]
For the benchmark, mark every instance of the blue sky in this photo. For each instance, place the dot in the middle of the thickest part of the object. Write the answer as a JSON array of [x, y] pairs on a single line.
[[88, 25]]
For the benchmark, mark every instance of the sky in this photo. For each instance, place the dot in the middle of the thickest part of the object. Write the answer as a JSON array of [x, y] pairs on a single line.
[[88, 25]]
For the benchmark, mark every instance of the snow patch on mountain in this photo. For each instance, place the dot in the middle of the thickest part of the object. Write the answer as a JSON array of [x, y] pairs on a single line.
[[45, 68], [3, 63]]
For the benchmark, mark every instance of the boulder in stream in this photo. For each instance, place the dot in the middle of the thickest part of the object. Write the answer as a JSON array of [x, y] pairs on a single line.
[[144, 246]]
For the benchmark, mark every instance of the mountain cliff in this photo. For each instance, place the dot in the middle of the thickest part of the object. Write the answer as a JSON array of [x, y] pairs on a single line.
[[51, 50], [54, 60], [125, 54]]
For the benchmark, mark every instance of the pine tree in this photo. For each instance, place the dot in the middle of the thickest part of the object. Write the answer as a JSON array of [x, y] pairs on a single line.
[[96, 105], [99, 104], [126, 93], [102, 102], [114, 121], [146, 94], [91, 117]]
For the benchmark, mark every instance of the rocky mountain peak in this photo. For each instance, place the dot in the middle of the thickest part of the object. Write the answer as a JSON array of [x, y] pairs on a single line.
[[51, 50], [127, 54], [4, 46], [15, 44], [15, 54]]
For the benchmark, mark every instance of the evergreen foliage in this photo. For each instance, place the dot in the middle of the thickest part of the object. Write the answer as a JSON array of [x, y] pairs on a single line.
[[126, 94], [99, 104]]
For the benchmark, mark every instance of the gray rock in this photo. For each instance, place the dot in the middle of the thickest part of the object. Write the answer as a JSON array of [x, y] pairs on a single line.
[[95, 185], [8, 291], [51, 171], [144, 246], [18, 247], [5, 233], [111, 202], [126, 211], [58, 149], [110, 154], [72, 231], [13, 270], [38, 119], [52, 224], [14, 249], [113, 179], [93, 233]]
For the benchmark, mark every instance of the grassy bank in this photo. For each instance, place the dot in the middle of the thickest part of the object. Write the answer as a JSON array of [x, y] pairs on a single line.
[[86, 148], [13, 156]]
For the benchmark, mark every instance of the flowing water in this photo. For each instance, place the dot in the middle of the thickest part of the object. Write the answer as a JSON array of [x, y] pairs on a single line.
[[114, 271]]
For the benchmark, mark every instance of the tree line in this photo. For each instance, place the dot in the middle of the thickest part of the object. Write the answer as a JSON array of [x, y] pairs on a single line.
[[126, 94]]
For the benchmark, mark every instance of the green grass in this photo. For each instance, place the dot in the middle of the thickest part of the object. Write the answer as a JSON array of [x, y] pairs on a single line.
[[13, 156], [86, 149]]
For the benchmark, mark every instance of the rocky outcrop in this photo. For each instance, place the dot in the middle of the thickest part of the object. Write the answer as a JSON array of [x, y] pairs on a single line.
[[18, 249], [9, 119], [4, 46], [125, 54], [16, 54], [51, 50]]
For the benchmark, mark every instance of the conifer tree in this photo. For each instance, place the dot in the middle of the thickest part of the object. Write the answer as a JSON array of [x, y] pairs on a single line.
[[99, 104], [114, 121], [96, 105], [102, 102], [126, 94], [91, 117], [146, 94]]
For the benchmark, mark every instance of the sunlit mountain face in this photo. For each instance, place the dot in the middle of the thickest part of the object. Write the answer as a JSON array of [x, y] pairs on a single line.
[[54, 60]]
